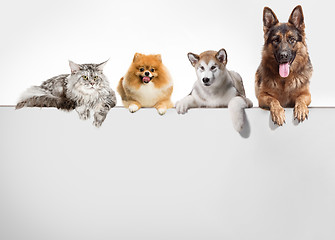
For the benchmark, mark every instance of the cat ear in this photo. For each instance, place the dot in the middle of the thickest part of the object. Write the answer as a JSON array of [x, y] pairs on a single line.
[[159, 57], [194, 58], [136, 56], [74, 67], [101, 66]]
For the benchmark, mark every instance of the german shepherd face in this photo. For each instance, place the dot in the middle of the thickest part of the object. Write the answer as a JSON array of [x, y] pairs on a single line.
[[285, 41]]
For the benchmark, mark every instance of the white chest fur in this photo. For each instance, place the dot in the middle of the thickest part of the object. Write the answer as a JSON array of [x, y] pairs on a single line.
[[147, 95]]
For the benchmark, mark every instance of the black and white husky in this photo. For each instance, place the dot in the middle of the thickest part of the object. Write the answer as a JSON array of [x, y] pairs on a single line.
[[216, 87]]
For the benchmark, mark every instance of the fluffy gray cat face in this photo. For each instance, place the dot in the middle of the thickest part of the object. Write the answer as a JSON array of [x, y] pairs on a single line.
[[87, 78]]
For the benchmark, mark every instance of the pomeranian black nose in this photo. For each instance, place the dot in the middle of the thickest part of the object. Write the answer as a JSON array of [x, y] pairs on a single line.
[[147, 73], [205, 80]]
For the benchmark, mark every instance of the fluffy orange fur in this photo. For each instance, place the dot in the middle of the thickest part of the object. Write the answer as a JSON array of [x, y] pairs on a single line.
[[157, 93]]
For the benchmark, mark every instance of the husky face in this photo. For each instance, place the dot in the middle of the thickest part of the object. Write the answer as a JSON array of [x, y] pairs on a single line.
[[209, 66]]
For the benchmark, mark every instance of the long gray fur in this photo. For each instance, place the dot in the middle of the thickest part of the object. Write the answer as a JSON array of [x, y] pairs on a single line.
[[74, 91]]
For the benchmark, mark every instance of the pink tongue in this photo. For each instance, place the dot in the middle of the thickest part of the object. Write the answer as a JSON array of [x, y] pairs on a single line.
[[284, 70], [146, 79]]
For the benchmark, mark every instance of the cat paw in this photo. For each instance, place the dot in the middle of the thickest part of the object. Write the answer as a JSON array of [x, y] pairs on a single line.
[[301, 112], [84, 115], [97, 123], [161, 111], [278, 115], [181, 107], [133, 108]]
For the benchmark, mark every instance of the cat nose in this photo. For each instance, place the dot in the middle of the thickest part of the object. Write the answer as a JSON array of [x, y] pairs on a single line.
[[92, 83], [146, 73]]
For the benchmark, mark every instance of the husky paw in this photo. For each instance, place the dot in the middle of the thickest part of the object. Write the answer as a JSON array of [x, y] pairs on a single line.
[[133, 108], [301, 112], [181, 107], [278, 115], [238, 125], [161, 111]]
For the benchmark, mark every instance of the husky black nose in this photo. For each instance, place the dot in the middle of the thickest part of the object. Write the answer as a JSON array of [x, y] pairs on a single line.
[[205, 80], [146, 73]]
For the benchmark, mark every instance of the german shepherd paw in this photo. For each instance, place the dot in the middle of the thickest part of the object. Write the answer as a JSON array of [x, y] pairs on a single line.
[[301, 112], [278, 115]]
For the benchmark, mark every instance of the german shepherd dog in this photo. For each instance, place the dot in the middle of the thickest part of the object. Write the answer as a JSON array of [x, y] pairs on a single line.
[[282, 79]]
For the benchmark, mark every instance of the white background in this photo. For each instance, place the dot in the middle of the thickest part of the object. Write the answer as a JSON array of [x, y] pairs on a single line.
[[178, 177], [38, 37]]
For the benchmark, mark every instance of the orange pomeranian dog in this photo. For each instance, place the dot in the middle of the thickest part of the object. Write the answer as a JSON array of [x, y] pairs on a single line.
[[146, 84]]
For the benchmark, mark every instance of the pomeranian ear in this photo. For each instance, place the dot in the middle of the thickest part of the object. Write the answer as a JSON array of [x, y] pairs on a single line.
[[222, 56], [159, 57], [136, 56], [101, 66], [194, 58], [74, 67]]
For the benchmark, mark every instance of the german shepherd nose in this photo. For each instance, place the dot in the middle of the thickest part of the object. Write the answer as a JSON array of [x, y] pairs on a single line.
[[284, 56], [146, 73], [205, 80]]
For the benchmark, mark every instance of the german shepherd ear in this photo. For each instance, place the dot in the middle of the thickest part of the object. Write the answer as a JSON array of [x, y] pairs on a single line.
[[269, 19], [194, 58], [297, 18], [222, 56]]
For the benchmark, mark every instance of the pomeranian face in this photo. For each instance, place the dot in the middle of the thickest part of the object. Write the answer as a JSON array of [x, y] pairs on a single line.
[[146, 67]]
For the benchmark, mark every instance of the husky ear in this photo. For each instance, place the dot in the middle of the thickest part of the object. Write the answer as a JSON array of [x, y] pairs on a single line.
[[101, 66], [222, 56], [74, 67], [269, 19], [136, 56], [194, 58], [297, 18]]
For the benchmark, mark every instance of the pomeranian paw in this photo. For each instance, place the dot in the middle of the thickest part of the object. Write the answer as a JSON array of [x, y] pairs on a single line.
[[161, 111], [181, 107], [133, 108]]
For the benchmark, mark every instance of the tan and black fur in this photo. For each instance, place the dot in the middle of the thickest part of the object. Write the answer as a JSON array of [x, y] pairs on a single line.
[[284, 43]]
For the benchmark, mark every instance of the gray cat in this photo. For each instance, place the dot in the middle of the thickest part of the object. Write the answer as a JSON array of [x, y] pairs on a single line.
[[85, 89]]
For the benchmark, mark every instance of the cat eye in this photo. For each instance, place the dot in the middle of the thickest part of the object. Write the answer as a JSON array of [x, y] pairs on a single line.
[[141, 69], [96, 78], [84, 77], [213, 68], [152, 70]]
